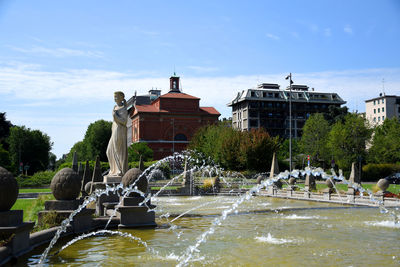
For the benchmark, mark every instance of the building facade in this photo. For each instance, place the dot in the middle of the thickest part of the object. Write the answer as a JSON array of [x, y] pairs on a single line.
[[382, 107], [269, 107], [167, 122]]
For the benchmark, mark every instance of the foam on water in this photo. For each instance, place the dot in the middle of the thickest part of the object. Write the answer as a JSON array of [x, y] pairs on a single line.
[[300, 217], [272, 240], [389, 224]]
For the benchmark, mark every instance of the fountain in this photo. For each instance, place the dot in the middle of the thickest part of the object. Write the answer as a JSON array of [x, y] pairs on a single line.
[[237, 230], [232, 229]]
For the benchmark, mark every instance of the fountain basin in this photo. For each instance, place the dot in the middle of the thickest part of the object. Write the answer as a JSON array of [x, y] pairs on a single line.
[[264, 231]]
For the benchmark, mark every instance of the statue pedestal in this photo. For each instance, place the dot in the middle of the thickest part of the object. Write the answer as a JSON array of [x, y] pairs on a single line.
[[327, 193], [111, 197], [272, 190], [351, 194], [81, 222], [132, 215], [112, 179], [12, 226]]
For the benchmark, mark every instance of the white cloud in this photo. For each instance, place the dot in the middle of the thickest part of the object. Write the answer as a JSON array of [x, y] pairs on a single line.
[[272, 36], [58, 52], [347, 29], [203, 69], [295, 34], [72, 99], [314, 28], [327, 32]]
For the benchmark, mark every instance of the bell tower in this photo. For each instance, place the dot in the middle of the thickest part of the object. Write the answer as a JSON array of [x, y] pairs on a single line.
[[174, 84]]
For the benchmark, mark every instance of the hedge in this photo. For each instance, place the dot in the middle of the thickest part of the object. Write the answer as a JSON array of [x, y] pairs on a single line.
[[38, 179], [373, 172]]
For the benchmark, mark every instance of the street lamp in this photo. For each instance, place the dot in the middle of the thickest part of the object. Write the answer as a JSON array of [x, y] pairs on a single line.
[[289, 77]]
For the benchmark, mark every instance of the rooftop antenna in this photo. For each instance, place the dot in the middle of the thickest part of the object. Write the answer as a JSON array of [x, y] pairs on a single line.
[[383, 86]]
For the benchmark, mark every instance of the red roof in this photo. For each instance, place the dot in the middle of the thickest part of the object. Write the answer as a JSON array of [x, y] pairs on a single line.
[[178, 95], [210, 110], [153, 109], [147, 108]]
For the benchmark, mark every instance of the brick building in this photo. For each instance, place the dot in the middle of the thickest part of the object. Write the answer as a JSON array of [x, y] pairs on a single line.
[[167, 122]]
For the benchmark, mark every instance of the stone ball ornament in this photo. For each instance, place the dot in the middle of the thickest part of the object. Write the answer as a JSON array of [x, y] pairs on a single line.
[[383, 184], [88, 187], [329, 183], [8, 190], [66, 184], [131, 176], [292, 181]]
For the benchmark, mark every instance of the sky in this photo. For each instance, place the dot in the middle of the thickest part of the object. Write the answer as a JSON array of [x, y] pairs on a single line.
[[61, 61]]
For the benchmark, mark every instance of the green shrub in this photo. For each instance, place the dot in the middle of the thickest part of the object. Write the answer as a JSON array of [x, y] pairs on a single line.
[[104, 165], [38, 179], [374, 172], [135, 164]]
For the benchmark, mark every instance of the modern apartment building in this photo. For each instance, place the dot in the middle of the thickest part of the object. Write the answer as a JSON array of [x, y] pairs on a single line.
[[379, 108], [267, 106]]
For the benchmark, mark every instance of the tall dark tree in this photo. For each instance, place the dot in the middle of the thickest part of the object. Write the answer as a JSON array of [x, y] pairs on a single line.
[[29, 147], [315, 138], [347, 140], [336, 114], [140, 149], [94, 143], [96, 139], [386, 143], [235, 150], [5, 126]]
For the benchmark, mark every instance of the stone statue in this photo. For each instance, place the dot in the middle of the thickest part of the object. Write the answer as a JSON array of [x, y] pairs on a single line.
[[117, 149]]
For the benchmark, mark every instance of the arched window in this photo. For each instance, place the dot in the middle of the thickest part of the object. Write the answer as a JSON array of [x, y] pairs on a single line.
[[180, 137]]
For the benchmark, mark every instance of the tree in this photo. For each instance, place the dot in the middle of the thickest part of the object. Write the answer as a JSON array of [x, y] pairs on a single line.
[[94, 143], [314, 141], [80, 149], [256, 145], [5, 126], [5, 160], [347, 140], [30, 147], [233, 149], [386, 143], [96, 139], [336, 114], [140, 149]]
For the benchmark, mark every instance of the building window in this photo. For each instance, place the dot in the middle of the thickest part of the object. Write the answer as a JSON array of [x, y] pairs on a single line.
[[383, 101], [374, 102], [378, 101], [379, 118], [180, 137], [253, 123], [374, 111], [253, 94], [383, 109], [374, 119], [264, 94], [383, 118], [379, 110]]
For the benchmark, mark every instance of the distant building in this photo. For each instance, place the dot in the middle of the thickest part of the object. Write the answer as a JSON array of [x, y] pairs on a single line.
[[267, 106], [379, 108], [167, 122]]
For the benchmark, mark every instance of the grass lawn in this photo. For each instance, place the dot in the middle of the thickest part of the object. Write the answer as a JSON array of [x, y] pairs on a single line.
[[393, 188], [34, 190], [31, 207], [167, 188]]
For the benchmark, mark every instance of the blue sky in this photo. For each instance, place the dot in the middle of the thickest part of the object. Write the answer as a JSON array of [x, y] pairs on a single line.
[[61, 61]]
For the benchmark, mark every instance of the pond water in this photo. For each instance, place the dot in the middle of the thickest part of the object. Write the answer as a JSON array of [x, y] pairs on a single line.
[[264, 232]]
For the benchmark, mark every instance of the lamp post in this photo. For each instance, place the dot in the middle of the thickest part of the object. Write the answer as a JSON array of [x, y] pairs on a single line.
[[173, 146], [289, 77]]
